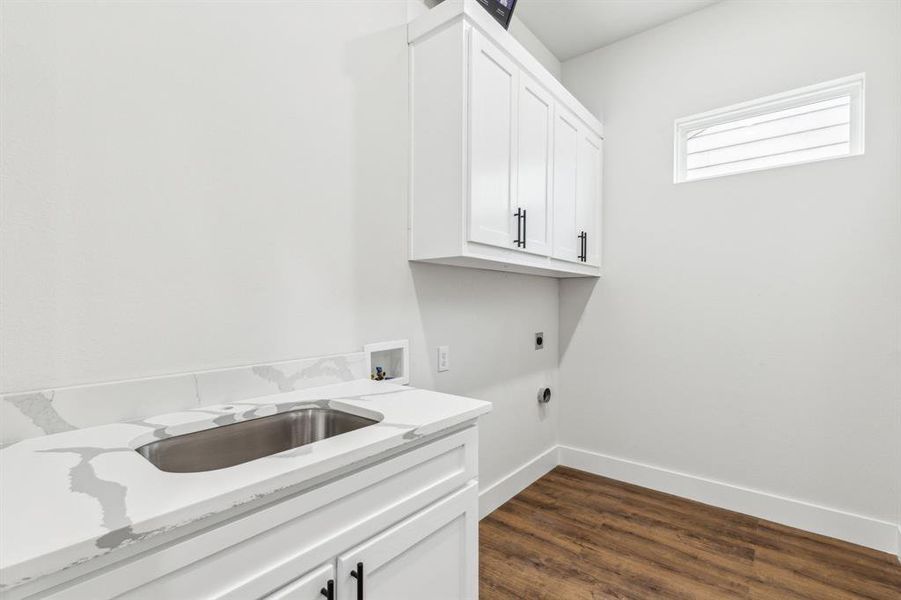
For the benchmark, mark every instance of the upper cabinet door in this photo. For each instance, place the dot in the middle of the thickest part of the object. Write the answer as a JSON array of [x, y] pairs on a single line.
[[567, 243], [433, 554], [492, 105], [588, 195], [533, 165]]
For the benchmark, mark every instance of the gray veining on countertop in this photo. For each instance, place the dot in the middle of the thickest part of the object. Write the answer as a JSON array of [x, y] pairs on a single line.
[[38, 408], [70, 497], [110, 495]]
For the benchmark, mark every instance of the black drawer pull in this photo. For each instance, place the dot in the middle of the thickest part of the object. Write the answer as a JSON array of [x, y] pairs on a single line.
[[358, 575], [329, 590]]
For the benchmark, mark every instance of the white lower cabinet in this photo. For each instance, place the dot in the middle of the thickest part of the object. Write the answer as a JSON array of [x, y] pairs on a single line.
[[405, 521], [317, 584], [432, 555]]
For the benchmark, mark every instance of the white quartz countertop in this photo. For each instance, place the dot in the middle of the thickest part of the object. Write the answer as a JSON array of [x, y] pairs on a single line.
[[70, 497]]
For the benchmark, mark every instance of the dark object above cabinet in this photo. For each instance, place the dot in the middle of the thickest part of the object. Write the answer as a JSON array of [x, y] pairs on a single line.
[[501, 10]]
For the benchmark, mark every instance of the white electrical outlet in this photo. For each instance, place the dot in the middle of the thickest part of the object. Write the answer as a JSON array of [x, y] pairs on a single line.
[[443, 358]]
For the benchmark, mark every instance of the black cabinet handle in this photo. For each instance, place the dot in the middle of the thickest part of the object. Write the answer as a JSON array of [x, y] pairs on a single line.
[[524, 221], [329, 590], [519, 241], [358, 575], [584, 246], [581, 256]]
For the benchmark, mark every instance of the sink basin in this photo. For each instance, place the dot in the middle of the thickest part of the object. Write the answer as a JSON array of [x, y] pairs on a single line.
[[238, 443]]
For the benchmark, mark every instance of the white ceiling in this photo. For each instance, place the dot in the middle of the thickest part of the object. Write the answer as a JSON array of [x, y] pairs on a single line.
[[572, 27]]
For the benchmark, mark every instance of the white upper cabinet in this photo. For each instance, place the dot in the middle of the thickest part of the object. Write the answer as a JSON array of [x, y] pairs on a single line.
[[577, 190], [505, 162], [588, 194], [567, 244], [533, 165], [493, 104]]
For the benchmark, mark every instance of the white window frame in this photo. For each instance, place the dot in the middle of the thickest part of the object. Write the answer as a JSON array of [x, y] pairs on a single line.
[[852, 86]]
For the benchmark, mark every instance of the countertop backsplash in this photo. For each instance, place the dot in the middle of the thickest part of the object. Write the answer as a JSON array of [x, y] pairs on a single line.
[[43, 412]]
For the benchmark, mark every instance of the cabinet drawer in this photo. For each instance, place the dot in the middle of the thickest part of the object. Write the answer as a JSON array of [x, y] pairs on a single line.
[[309, 586], [258, 552]]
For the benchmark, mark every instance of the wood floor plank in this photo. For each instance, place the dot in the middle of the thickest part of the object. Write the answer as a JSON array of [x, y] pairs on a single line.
[[667, 552], [575, 535], [670, 530]]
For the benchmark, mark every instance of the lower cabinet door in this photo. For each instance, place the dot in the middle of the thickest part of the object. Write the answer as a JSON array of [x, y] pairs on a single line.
[[433, 554], [318, 584]]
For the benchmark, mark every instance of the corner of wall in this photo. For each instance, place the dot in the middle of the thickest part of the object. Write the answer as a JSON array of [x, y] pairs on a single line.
[[516, 481], [536, 47]]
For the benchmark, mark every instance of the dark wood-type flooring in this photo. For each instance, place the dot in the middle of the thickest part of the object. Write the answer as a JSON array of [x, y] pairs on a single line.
[[573, 535]]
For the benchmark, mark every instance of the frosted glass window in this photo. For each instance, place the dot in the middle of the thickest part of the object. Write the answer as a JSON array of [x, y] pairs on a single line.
[[810, 124]]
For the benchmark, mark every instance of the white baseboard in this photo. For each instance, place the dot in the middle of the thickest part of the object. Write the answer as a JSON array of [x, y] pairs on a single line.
[[854, 528], [899, 542], [857, 529], [518, 480]]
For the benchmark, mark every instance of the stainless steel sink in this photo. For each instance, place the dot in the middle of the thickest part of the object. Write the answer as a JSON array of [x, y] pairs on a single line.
[[238, 443]]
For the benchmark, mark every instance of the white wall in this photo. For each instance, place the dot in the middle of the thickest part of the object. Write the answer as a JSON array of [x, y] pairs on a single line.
[[199, 185], [534, 45], [747, 327], [518, 30]]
